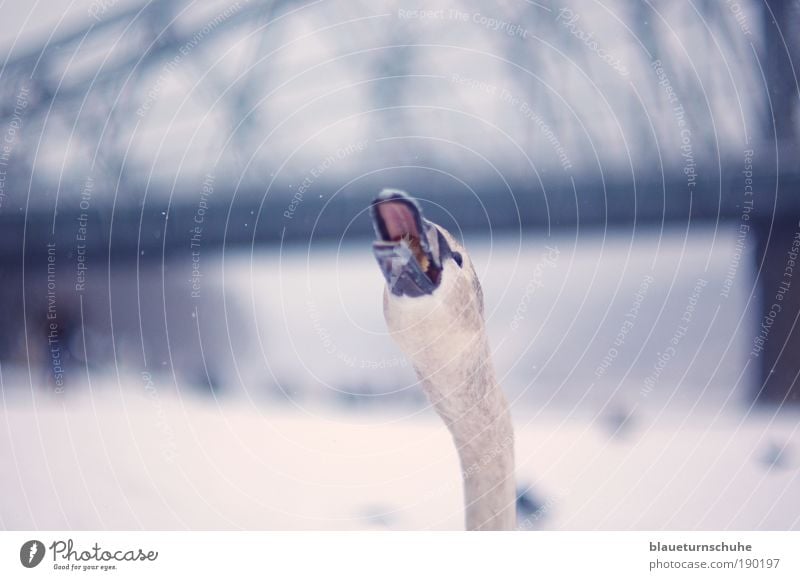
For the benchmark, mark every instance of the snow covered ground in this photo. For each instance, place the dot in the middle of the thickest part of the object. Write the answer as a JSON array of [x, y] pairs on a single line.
[[323, 426], [130, 461]]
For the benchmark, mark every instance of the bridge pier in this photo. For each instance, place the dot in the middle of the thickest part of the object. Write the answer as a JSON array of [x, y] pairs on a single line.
[[776, 344]]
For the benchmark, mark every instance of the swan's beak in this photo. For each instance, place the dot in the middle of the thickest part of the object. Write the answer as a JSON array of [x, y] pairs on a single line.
[[407, 249]]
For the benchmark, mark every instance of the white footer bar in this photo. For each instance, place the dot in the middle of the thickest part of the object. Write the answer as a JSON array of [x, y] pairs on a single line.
[[406, 555]]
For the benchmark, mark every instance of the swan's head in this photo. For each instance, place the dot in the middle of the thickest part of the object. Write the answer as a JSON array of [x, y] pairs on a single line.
[[433, 303], [431, 286], [412, 252]]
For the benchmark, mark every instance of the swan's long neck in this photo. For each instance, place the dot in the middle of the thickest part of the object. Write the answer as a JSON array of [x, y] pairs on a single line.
[[453, 362], [474, 408]]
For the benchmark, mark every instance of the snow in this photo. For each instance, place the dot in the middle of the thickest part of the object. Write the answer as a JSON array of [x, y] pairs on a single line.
[[322, 426], [129, 461]]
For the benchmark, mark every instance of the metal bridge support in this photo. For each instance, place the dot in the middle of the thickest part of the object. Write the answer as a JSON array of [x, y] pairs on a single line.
[[776, 344]]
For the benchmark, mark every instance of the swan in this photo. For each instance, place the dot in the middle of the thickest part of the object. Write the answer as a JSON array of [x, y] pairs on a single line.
[[433, 306]]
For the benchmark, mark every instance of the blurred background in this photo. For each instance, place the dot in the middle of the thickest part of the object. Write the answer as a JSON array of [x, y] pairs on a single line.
[[191, 329]]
